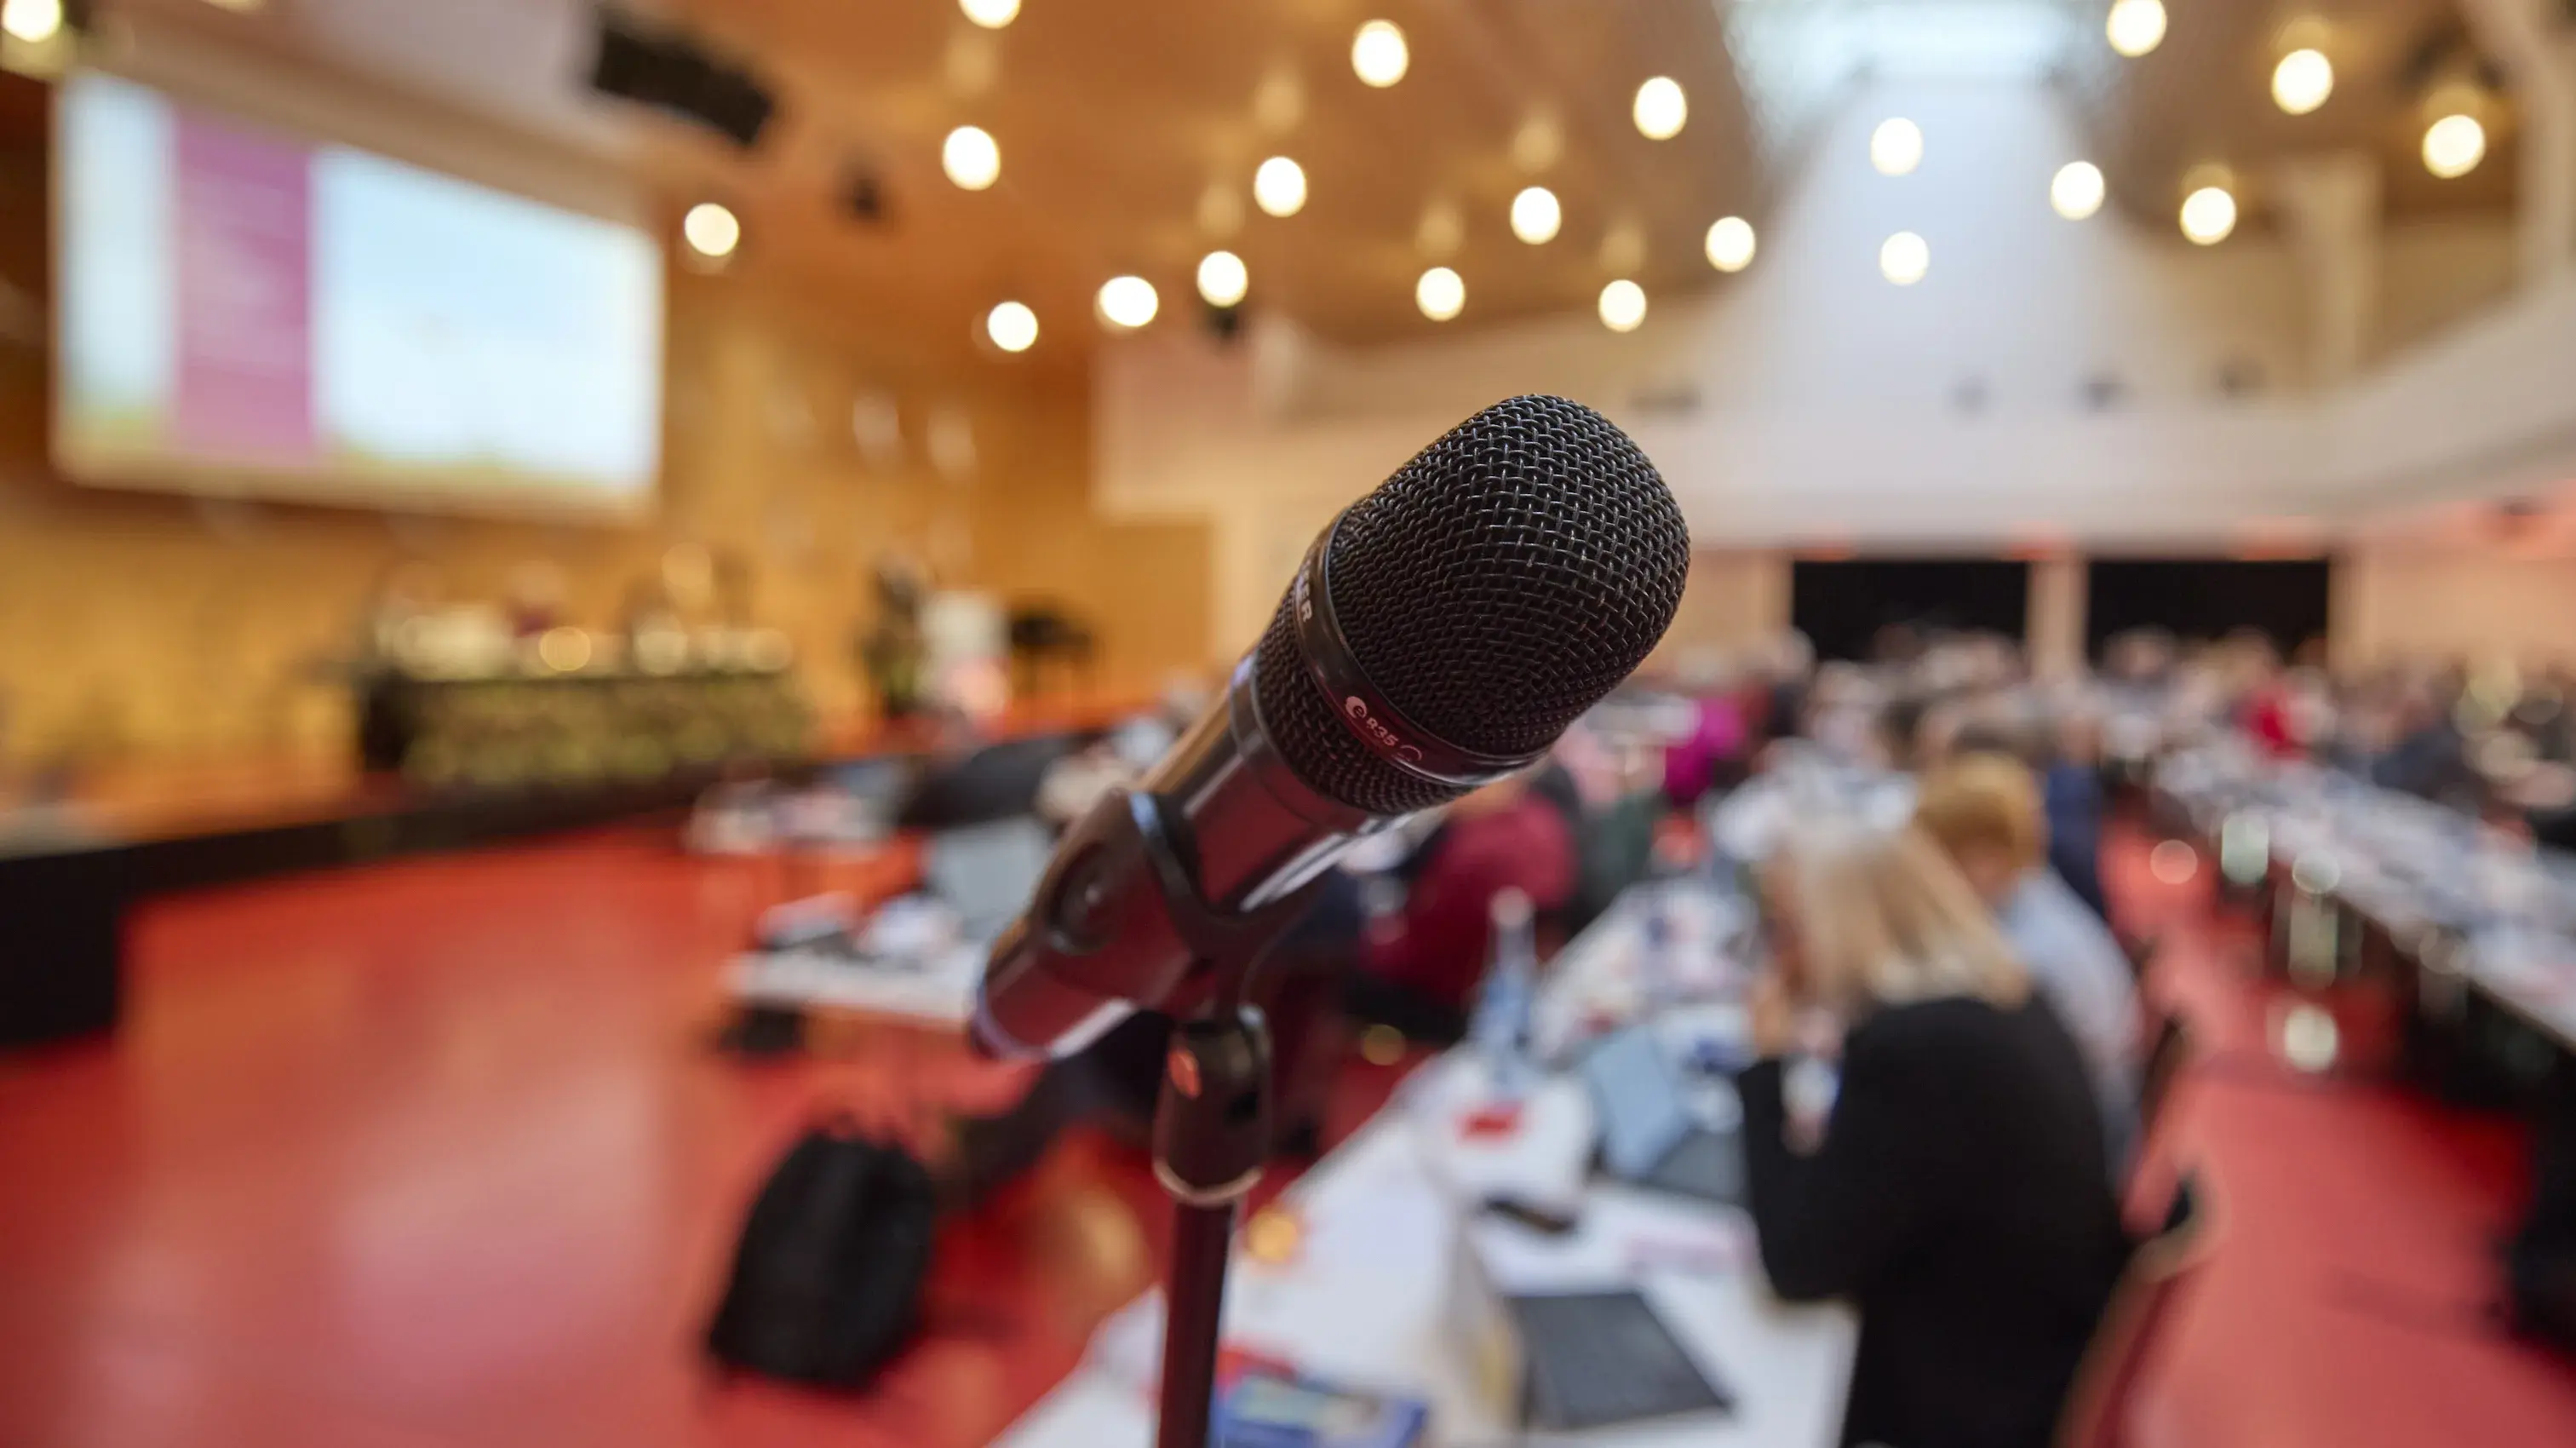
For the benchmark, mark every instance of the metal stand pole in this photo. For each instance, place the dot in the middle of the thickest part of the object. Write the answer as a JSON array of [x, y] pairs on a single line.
[[1211, 1132], [1211, 1129]]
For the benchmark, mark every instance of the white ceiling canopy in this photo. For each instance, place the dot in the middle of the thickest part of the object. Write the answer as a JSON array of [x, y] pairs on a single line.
[[1795, 59]]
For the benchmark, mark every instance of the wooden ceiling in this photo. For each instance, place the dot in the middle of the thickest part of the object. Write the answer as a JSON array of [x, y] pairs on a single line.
[[2205, 96], [1116, 119]]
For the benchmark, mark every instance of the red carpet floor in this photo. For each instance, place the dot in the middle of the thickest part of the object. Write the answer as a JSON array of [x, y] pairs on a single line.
[[2348, 1305], [432, 1155]]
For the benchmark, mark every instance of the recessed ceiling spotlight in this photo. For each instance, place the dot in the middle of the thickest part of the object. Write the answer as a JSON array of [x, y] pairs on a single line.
[[1012, 326], [1442, 230], [1440, 293], [33, 21], [1623, 305], [1538, 143], [1279, 187], [1535, 215], [2076, 191], [1730, 244], [2135, 26], [2454, 145], [1896, 147], [1379, 55], [711, 230], [1904, 258], [2208, 215], [1661, 109], [1128, 302], [2302, 81], [1223, 278], [970, 156]]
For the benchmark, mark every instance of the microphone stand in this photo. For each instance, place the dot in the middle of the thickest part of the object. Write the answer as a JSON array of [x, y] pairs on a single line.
[[1211, 1122]]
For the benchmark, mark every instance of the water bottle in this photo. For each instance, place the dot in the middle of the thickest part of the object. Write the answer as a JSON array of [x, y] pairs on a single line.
[[1501, 1027], [1659, 968]]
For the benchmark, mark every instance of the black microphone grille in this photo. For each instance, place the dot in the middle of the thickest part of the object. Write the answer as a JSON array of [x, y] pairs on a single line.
[[1493, 589]]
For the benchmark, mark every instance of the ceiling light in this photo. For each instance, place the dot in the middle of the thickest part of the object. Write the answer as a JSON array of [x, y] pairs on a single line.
[[1538, 143], [992, 15], [1661, 108], [1012, 326], [1220, 210], [1535, 215], [1623, 249], [1279, 102], [1440, 294], [1896, 147], [1623, 305], [2135, 26], [1378, 54], [1904, 258], [711, 230], [2454, 145], [1441, 231], [1128, 302], [2208, 214], [1222, 278], [2302, 81], [1279, 187], [1730, 244], [2076, 190], [971, 158], [33, 21]]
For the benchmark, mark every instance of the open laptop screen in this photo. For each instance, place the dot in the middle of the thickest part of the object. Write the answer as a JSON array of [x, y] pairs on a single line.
[[1638, 1096]]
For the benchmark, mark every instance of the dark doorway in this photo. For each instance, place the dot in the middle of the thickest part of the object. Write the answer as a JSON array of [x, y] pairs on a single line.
[[1842, 605], [2206, 598]]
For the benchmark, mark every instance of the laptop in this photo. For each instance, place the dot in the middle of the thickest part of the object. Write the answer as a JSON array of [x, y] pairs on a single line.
[[1596, 1359], [987, 872], [1649, 1136]]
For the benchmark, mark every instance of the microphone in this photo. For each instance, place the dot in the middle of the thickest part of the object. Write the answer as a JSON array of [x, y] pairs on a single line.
[[1441, 633]]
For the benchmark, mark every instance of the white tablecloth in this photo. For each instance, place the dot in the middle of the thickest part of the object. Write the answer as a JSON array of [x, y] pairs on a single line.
[[1369, 1299]]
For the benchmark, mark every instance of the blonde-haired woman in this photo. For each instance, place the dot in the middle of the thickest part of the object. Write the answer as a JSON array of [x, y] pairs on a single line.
[[1957, 1192]]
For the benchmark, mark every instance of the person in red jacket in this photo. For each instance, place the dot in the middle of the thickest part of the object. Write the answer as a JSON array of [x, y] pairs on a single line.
[[1420, 963]]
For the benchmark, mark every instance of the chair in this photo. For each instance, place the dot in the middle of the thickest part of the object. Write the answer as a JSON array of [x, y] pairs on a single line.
[[2176, 1043], [2140, 950], [2104, 1400]]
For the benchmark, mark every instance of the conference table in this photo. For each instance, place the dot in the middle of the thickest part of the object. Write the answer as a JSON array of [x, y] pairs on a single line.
[[2356, 873], [1387, 1287]]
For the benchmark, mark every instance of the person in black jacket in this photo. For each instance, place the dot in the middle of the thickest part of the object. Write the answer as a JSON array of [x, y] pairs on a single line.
[[1955, 1188]]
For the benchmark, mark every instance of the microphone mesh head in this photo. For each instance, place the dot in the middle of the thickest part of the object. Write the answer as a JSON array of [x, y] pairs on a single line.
[[1493, 589]]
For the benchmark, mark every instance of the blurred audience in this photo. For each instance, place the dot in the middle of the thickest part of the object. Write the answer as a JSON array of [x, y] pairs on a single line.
[[1713, 754], [2071, 789], [2425, 754]]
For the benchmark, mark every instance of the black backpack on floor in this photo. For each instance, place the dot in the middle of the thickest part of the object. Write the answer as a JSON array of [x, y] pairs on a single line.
[[827, 1280]]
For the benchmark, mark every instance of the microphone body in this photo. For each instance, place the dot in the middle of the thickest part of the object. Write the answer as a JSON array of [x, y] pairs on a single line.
[[1441, 633], [1099, 939]]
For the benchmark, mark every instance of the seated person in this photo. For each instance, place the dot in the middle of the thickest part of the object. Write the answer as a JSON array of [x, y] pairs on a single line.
[[2071, 790], [1617, 801], [2428, 757], [1421, 962], [1984, 810], [1957, 1192]]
